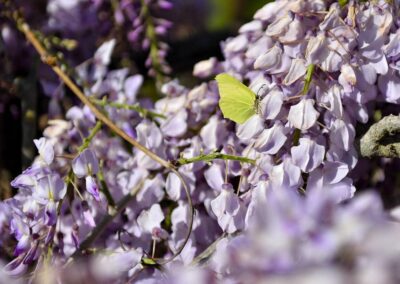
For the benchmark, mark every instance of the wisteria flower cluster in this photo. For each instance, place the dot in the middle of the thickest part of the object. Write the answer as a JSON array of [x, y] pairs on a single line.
[[145, 28], [273, 197]]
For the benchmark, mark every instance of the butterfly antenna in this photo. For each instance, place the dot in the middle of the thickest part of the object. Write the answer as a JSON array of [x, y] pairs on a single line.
[[263, 85]]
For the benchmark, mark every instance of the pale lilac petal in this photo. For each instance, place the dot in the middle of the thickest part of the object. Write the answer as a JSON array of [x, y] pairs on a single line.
[[392, 49], [338, 154], [24, 243], [331, 58], [340, 191], [45, 148], [214, 133], [257, 49], [271, 104], [348, 73], [131, 87], [253, 26], [330, 173], [85, 164], [317, 49], [103, 53], [342, 134], [88, 218], [127, 180], [214, 176], [206, 68], [250, 129], [303, 115], [50, 187], [272, 139], [92, 187], [380, 65], [50, 213], [176, 125], [367, 73], [236, 44], [334, 171], [389, 85], [270, 60], [152, 191], [294, 33], [297, 70], [229, 211], [150, 219], [149, 134], [279, 26], [332, 100], [285, 175], [331, 19], [308, 155], [28, 178], [270, 11], [116, 264]]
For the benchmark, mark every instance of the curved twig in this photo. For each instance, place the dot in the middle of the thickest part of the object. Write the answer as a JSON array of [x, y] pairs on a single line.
[[52, 62]]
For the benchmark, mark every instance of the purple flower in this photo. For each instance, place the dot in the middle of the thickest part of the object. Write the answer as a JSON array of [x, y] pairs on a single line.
[[150, 222], [250, 129], [229, 210], [174, 186], [206, 68], [167, 5], [176, 125], [50, 212], [113, 266], [297, 70], [92, 187], [272, 103], [85, 164], [21, 232], [308, 154], [49, 188], [303, 115], [29, 177], [214, 176], [272, 139], [46, 150], [214, 133]]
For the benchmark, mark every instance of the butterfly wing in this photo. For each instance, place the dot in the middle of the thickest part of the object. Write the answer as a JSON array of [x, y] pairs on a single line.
[[237, 101]]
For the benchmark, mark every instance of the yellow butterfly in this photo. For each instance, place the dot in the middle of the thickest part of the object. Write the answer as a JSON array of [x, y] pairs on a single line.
[[237, 102]]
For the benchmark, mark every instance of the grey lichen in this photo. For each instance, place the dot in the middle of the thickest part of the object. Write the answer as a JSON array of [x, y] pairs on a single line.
[[382, 139]]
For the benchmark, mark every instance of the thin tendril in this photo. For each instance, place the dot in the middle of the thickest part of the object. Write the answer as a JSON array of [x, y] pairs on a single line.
[[52, 62]]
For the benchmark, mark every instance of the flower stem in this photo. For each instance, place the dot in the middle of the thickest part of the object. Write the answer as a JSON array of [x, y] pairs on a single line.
[[152, 36], [87, 140], [308, 78], [153, 250], [53, 63], [213, 156], [104, 186]]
